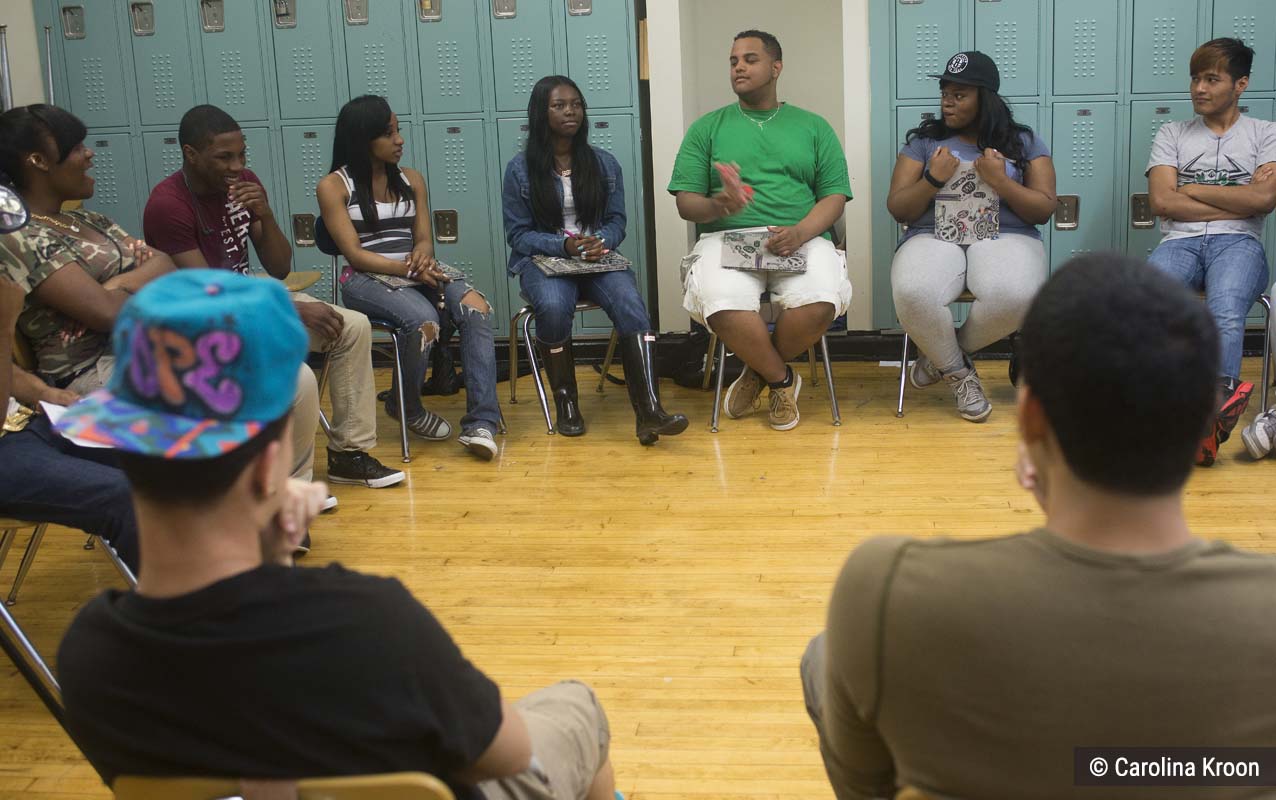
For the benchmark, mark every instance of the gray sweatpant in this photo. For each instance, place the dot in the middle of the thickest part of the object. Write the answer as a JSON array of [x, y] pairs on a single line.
[[927, 274]]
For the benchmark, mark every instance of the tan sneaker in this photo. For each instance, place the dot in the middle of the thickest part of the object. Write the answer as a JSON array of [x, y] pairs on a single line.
[[784, 410], [742, 394]]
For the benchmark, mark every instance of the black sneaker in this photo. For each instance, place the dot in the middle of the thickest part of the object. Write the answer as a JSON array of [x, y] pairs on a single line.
[[360, 469]]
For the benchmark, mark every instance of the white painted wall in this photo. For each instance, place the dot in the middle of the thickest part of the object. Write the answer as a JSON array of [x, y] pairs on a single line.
[[24, 53], [825, 70]]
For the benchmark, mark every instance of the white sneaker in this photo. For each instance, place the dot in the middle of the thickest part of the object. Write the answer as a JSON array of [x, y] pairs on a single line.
[[923, 373], [480, 442], [328, 504], [972, 404], [1260, 435]]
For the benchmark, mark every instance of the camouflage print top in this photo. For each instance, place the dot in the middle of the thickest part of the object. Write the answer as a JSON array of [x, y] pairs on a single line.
[[63, 346]]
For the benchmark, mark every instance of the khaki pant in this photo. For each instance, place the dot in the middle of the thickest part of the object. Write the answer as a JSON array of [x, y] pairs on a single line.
[[350, 384], [570, 742]]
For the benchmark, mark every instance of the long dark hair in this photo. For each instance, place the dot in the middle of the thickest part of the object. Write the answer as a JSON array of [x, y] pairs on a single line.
[[360, 121], [995, 127], [588, 188], [29, 129]]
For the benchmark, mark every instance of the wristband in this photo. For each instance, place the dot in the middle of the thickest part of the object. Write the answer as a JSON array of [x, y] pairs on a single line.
[[931, 179]]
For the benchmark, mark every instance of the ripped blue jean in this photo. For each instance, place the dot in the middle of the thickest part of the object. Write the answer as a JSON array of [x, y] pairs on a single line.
[[415, 310]]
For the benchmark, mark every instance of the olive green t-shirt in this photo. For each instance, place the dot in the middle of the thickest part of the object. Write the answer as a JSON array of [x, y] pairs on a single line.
[[791, 159]]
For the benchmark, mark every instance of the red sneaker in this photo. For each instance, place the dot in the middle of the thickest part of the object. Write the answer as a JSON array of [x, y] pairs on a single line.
[[1232, 410]]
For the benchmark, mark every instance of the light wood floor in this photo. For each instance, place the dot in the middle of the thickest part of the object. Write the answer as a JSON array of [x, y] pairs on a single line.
[[682, 581]]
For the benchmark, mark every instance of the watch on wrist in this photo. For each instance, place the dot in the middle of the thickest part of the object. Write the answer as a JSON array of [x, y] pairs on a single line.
[[931, 179]]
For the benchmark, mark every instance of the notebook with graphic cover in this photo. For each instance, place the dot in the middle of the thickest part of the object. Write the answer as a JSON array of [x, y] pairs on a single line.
[[746, 250], [554, 265], [966, 210], [400, 282]]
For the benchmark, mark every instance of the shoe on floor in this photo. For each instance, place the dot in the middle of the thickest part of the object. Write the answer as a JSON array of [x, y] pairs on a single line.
[[742, 394], [480, 442], [972, 404], [1229, 413], [303, 546], [328, 504], [923, 373], [1260, 436], [784, 414], [358, 468], [427, 425]]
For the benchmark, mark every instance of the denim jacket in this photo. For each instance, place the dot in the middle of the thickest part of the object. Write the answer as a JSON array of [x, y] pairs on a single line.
[[522, 235]]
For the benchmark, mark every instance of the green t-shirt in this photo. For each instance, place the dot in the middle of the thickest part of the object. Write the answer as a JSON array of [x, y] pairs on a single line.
[[791, 162]]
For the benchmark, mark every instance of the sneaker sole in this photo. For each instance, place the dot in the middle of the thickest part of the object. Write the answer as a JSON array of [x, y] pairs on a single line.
[[976, 417], [1255, 448], [485, 450], [797, 390], [375, 483], [726, 401]]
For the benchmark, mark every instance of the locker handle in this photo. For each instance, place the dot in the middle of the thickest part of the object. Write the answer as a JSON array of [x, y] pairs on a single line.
[[356, 12], [430, 10], [580, 8], [1067, 215], [447, 226], [303, 230], [505, 9], [1141, 215], [73, 22], [212, 16], [142, 15], [285, 13]]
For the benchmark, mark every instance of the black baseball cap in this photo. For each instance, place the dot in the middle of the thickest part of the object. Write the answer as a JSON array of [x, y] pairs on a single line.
[[972, 68]]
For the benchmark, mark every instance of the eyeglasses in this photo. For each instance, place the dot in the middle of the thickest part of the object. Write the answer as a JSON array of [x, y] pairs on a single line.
[[561, 105]]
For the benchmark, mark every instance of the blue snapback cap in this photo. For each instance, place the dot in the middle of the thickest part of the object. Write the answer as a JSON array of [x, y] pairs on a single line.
[[204, 359]]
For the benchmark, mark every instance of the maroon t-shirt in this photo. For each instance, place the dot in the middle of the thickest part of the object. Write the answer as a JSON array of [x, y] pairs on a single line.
[[176, 220]]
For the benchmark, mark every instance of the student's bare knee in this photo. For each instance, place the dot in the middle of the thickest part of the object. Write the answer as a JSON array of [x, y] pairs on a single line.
[[476, 301]]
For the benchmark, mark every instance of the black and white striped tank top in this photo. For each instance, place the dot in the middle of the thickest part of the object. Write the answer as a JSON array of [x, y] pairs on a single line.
[[392, 234]]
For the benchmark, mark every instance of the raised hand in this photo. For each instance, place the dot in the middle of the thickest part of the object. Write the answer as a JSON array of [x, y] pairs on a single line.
[[943, 165]]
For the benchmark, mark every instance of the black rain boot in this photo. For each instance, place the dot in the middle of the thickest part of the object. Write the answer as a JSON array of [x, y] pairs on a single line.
[[637, 352], [560, 368]]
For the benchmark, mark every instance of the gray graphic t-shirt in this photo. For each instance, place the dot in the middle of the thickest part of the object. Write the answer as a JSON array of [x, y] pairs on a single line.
[[1202, 157]]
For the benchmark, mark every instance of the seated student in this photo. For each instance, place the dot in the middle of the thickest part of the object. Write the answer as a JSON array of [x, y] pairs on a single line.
[[929, 272], [1110, 625], [563, 197], [43, 477], [204, 215], [77, 267], [763, 165], [227, 661], [378, 216], [1212, 181]]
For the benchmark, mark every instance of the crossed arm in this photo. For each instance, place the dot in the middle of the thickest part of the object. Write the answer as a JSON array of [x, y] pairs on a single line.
[[1195, 202]]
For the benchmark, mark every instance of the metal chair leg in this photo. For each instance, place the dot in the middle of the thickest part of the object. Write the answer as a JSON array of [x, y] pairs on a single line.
[[514, 321], [611, 353], [323, 383], [810, 359], [717, 394], [90, 542], [6, 541], [120, 566], [1267, 349], [398, 342], [708, 360], [536, 374], [28, 661], [903, 376], [828, 377], [24, 566]]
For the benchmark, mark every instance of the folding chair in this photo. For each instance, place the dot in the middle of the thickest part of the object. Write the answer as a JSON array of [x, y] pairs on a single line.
[[965, 297], [523, 319]]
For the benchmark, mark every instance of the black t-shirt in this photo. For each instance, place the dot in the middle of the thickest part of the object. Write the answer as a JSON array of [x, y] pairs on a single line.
[[274, 673]]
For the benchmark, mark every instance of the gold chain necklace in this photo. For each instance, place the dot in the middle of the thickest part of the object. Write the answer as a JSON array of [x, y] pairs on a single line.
[[73, 228], [759, 123]]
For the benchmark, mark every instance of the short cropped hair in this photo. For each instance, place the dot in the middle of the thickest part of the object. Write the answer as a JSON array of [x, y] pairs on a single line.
[[202, 123], [1234, 56], [195, 482], [769, 43], [1124, 361]]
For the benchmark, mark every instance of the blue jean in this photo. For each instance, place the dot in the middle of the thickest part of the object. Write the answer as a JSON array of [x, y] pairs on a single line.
[[45, 478], [554, 300], [1231, 268], [413, 309]]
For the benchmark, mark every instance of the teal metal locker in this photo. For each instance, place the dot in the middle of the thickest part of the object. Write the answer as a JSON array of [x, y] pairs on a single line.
[[1010, 32], [236, 60], [307, 154], [618, 134], [1253, 22], [98, 90], [1085, 47], [305, 59], [598, 57], [522, 49], [457, 160], [1146, 118], [377, 51], [1261, 108], [925, 37], [164, 72], [1084, 157], [450, 58], [116, 192], [1165, 34], [511, 137], [163, 157]]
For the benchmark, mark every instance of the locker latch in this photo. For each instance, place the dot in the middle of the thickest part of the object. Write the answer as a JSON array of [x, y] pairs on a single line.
[[505, 9], [285, 13], [142, 15], [580, 8], [1067, 215], [356, 12], [303, 230], [1141, 215], [212, 16], [911, 2], [73, 22], [447, 226], [430, 10]]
